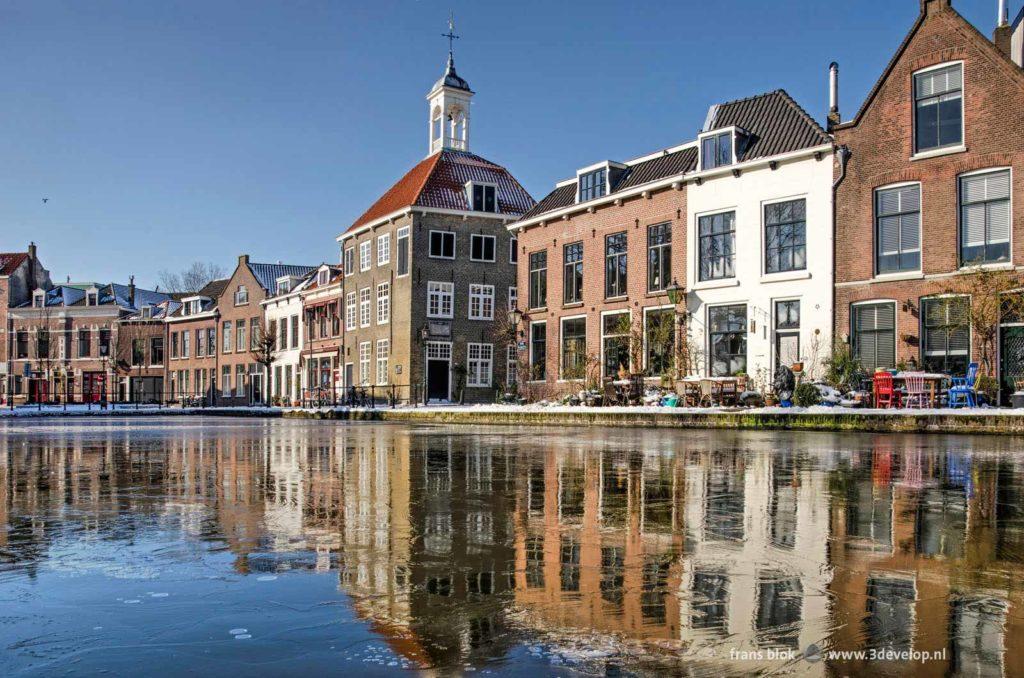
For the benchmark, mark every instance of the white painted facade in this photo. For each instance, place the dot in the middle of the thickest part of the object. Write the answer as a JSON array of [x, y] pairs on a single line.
[[804, 175], [286, 380]]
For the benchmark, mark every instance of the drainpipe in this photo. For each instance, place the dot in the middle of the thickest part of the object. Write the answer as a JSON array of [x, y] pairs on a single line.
[[844, 153]]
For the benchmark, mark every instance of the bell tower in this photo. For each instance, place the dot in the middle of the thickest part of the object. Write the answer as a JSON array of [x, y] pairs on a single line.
[[449, 105]]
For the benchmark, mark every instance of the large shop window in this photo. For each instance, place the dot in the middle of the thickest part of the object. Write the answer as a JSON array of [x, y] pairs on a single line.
[[874, 335], [947, 334], [727, 330]]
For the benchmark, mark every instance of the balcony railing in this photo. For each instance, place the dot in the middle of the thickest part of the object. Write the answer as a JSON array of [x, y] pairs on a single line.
[[449, 142]]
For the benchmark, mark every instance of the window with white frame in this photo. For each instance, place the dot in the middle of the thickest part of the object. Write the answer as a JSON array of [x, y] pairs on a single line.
[[383, 303], [946, 342], [364, 307], [350, 260], [785, 236], [241, 295], [481, 302], [364, 363], [593, 184], [481, 247], [898, 229], [442, 245], [402, 244], [364, 256], [513, 298], [511, 364], [480, 360], [985, 218], [716, 150], [350, 311], [383, 249], [615, 340], [383, 351], [323, 276], [573, 362], [513, 250], [938, 108], [538, 350], [484, 198], [717, 245], [440, 297]]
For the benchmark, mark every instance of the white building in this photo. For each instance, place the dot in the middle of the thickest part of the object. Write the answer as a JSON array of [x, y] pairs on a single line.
[[759, 239], [284, 317]]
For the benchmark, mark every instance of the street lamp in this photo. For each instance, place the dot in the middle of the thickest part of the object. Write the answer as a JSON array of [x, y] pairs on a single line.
[[515, 316], [675, 292]]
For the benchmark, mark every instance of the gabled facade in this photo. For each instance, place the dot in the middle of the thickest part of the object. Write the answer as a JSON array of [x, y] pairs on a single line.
[[321, 302], [20, 274], [192, 346], [428, 267], [933, 188], [283, 312]]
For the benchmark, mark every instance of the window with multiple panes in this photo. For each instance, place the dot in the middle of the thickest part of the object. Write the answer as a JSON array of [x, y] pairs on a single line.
[[241, 295], [402, 245], [364, 363], [538, 350], [479, 364], [985, 218], [572, 283], [481, 302], [294, 335], [364, 307], [85, 344], [156, 350], [481, 247], [211, 341], [186, 344], [716, 151], [898, 229], [717, 245], [938, 108], [513, 298], [350, 261], [874, 335], [659, 256], [350, 311], [200, 343], [364, 256], [240, 338], [225, 381], [383, 303], [659, 341], [383, 249], [138, 352], [442, 244], [254, 333], [104, 343], [787, 332], [228, 337], [615, 265], [785, 236], [946, 344], [538, 279], [727, 334], [440, 298], [484, 198], [383, 351], [615, 331], [593, 184], [574, 348], [240, 381], [511, 364]]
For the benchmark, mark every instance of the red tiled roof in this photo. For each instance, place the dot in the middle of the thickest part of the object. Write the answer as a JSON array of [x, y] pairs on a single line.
[[440, 180], [10, 261]]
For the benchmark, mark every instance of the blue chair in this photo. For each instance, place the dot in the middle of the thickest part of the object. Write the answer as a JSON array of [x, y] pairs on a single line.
[[962, 391]]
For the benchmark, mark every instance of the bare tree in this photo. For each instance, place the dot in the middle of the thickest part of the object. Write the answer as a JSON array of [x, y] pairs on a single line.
[[262, 347], [191, 279]]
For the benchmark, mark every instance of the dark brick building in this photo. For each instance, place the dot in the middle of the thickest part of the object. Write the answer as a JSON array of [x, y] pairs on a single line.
[[933, 188]]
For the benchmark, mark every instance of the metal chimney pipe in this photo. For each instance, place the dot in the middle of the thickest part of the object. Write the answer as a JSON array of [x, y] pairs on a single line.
[[833, 87], [1003, 18]]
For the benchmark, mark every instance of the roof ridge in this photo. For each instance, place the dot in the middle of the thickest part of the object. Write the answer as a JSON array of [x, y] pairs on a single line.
[[426, 176], [802, 112], [749, 98]]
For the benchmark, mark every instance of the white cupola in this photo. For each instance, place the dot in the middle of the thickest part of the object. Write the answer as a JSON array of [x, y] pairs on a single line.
[[449, 106]]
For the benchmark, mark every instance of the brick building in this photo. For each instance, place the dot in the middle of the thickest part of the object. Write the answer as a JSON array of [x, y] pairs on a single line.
[[429, 268], [20, 274], [192, 348], [616, 260], [322, 328], [933, 187], [283, 312]]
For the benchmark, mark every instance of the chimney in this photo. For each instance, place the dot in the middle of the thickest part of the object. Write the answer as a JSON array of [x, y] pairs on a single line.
[[833, 94], [131, 291], [1002, 36], [243, 259], [32, 267]]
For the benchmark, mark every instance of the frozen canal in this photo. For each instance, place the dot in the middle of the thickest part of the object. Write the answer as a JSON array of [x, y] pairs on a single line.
[[247, 547]]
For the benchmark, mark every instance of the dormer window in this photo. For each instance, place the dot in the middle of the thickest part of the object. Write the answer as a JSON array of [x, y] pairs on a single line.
[[716, 150], [241, 295], [38, 299], [147, 312], [92, 297], [282, 286], [323, 277], [593, 184], [483, 197]]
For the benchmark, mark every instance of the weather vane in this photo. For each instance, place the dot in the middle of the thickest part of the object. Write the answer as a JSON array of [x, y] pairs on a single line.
[[451, 32]]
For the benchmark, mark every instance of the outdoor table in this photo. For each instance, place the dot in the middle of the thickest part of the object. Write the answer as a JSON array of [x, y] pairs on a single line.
[[719, 381], [932, 379]]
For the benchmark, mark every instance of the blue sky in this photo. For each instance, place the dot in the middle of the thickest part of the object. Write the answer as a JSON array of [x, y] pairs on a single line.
[[166, 132]]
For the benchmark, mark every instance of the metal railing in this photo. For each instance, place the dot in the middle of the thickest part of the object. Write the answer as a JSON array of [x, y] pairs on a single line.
[[369, 396]]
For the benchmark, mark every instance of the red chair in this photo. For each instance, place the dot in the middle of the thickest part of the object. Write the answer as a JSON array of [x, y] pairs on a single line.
[[886, 394]]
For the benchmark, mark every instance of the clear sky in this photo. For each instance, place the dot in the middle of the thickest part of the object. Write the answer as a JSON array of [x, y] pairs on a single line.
[[166, 132]]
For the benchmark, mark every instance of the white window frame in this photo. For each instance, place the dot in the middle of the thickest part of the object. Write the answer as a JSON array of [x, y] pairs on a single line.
[[513, 250], [959, 210], [529, 348], [383, 351], [494, 249], [350, 311], [941, 150], [513, 297], [364, 362], [383, 303], [920, 229], [511, 364], [241, 295], [364, 307], [383, 249], [622, 311], [365, 262], [485, 365], [561, 343], [444, 235], [471, 188], [732, 131], [349, 259], [445, 291], [405, 233], [481, 302]]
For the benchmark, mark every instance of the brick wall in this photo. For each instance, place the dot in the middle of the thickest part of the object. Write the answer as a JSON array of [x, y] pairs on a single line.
[[236, 314]]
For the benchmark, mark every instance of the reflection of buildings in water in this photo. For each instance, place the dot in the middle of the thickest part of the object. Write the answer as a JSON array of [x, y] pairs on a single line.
[[918, 551]]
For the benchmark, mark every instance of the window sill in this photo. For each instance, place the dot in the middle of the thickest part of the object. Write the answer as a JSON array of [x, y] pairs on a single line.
[[715, 284], [483, 261], [938, 152], [575, 304], [998, 266], [785, 276], [539, 309], [609, 300], [436, 256], [891, 277]]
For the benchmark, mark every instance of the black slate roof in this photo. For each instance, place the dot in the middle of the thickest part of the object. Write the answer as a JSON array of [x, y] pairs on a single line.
[[775, 122]]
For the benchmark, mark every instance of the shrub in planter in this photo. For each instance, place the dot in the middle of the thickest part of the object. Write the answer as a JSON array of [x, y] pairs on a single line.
[[806, 394]]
